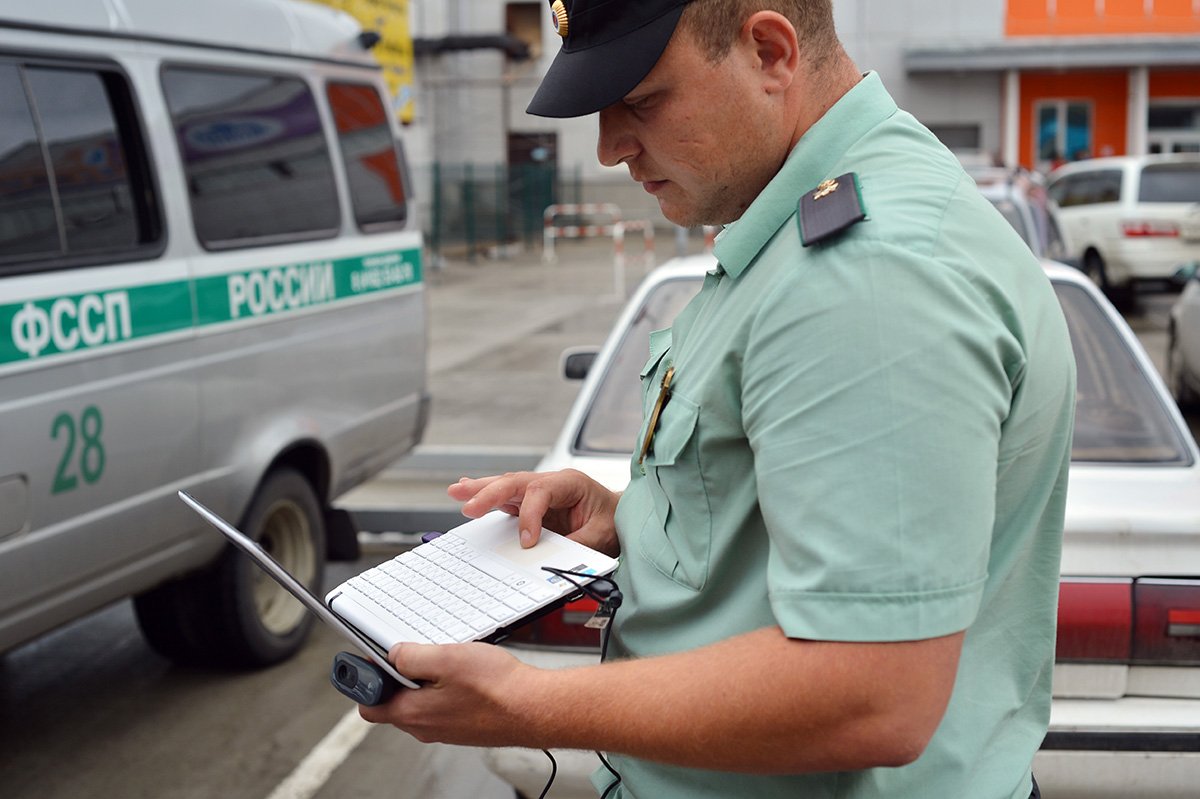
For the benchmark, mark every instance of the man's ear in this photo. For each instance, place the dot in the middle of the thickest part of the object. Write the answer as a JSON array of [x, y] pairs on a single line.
[[772, 40]]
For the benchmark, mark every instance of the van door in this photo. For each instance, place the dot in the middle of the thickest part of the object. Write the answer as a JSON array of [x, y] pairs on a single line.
[[98, 404]]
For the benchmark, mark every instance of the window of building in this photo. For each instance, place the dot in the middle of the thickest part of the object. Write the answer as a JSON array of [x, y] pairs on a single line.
[[369, 153], [526, 21], [74, 180], [1063, 131], [255, 157], [1174, 127], [957, 137]]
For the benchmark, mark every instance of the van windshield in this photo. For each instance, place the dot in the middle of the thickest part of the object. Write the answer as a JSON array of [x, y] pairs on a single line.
[[1170, 183]]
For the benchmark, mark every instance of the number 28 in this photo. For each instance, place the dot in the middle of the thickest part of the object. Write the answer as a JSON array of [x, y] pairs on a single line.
[[84, 435]]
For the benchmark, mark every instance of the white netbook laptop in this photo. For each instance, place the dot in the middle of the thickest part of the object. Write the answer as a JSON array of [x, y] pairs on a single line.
[[473, 583]]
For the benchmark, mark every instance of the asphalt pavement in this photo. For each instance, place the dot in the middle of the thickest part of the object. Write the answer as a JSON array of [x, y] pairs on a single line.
[[498, 326]]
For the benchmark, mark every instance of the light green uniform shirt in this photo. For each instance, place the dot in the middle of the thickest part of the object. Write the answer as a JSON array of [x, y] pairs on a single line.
[[867, 439]]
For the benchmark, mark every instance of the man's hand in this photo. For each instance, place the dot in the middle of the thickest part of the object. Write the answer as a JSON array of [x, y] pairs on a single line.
[[465, 699], [567, 502], [793, 706]]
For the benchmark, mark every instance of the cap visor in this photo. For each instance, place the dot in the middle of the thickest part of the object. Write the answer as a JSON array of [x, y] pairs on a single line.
[[582, 82]]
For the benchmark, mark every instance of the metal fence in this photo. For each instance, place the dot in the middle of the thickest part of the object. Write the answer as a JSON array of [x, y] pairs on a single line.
[[474, 207]]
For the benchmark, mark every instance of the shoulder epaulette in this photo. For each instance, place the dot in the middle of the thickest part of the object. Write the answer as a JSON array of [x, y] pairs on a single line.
[[830, 208]]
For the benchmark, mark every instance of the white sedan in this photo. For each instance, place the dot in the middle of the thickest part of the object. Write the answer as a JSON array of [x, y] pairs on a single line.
[[1126, 714]]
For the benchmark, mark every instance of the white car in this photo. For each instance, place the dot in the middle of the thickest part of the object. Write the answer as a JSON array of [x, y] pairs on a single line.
[[1183, 340], [1126, 713], [1021, 199], [1130, 219]]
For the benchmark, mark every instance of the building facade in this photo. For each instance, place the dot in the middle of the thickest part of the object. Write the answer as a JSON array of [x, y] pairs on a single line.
[[1028, 82]]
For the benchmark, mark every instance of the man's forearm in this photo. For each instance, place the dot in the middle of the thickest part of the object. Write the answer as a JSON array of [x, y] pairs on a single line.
[[758, 703]]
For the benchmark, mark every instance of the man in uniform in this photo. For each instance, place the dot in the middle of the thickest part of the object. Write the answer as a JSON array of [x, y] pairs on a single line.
[[840, 541]]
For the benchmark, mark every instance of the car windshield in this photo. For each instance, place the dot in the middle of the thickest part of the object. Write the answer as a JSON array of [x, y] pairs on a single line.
[[1170, 183], [616, 412], [1119, 417]]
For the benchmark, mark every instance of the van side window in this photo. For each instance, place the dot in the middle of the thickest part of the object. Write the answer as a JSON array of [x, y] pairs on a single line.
[[1106, 186], [1170, 183], [1087, 188], [369, 152], [254, 154], [1060, 190], [74, 182]]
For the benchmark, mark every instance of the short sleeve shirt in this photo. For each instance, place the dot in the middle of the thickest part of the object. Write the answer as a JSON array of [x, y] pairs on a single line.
[[866, 439]]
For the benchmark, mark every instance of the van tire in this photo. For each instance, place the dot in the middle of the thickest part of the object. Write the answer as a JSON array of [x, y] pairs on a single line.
[[1123, 297], [232, 614]]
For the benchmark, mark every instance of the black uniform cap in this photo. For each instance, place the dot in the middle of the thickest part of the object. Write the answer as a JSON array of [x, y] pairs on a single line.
[[608, 47]]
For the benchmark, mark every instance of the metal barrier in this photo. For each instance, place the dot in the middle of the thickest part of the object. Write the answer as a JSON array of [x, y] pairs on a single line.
[[616, 227], [550, 231]]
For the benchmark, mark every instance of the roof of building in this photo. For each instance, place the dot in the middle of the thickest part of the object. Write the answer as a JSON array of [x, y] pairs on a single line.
[[1054, 52]]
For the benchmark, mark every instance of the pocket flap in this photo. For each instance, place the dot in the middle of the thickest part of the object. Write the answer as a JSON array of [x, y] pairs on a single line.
[[675, 428]]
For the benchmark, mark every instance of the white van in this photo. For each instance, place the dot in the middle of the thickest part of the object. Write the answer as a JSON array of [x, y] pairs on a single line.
[[1130, 219], [211, 280]]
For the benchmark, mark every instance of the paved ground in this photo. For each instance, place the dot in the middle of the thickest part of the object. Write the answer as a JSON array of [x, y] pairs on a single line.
[[498, 328]]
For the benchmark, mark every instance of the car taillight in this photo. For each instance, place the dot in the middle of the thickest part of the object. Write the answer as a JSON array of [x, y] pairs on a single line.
[[1149, 621], [1166, 621], [1144, 229], [1095, 619], [562, 629]]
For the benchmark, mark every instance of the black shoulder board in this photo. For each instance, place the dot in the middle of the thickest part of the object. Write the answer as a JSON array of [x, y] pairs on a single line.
[[830, 208]]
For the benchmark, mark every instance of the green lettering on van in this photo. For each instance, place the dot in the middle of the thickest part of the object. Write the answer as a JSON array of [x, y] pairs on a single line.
[[87, 434], [38, 328]]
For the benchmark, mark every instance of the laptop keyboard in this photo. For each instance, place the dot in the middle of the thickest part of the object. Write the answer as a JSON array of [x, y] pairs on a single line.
[[446, 591]]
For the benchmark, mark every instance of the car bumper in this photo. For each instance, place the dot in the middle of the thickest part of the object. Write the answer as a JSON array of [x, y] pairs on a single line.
[[1150, 258], [1095, 749], [1117, 775]]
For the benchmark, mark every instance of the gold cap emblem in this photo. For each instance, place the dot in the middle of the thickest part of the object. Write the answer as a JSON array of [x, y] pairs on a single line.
[[560, 17]]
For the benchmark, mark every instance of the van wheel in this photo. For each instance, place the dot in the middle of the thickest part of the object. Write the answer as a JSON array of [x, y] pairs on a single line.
[[1093, 267], [1122, 297], [232, 614]]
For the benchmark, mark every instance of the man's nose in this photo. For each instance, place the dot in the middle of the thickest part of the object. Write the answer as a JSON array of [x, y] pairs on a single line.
[[616, 143]]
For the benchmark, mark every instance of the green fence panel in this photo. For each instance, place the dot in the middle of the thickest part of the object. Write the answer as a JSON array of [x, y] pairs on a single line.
[[475, 207]]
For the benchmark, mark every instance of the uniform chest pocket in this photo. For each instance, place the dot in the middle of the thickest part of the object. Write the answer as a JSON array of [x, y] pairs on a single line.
[[680, 543]]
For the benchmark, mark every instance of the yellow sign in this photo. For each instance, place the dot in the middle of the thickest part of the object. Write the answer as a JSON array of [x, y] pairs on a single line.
[[388, 18]]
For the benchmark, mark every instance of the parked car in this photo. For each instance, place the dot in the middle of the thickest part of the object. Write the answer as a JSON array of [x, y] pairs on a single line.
[[1021, 199], [1130, 219], [1126, 711], [1183, 340]]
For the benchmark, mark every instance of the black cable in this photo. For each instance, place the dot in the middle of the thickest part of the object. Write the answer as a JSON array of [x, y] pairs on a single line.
[[553, 774], [612, 771], [605, 591]]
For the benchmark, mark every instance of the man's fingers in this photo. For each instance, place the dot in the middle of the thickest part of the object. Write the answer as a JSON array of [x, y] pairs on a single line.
[[533, 510], [482, 495], [467, 487], [418, 662]]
